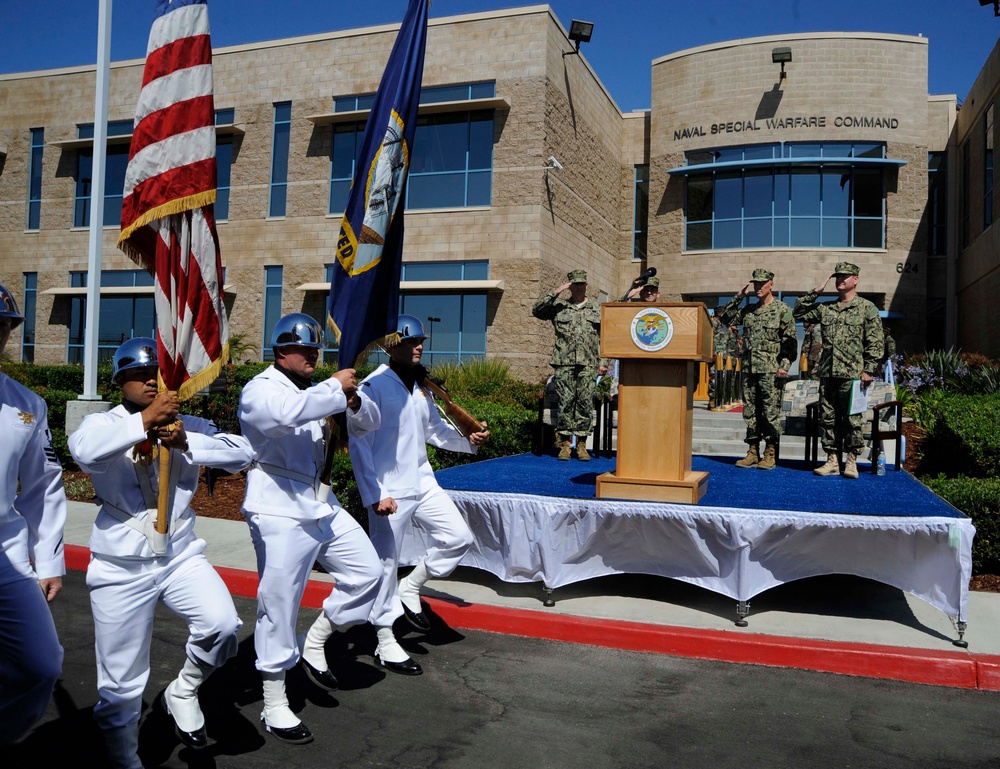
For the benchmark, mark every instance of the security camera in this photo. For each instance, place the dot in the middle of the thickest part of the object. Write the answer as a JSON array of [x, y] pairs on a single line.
[[553, 163]]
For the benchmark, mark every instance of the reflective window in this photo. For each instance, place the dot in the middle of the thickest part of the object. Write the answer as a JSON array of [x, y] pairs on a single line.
[[120, 317], [279, 158], [114, 185], [28, 310], [827, 202], [35, 178], [452, 161], [272, 306], [937, 205], [640, 218], [966, 199], [988, 167]]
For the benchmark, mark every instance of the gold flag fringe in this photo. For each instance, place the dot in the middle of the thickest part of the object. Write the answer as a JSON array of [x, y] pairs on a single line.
[[383, 343], [178, 206]]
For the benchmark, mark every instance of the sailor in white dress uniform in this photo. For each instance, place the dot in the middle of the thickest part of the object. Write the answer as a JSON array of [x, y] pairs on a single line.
[[399, 489], [127, 576], [295, 521], [32, 518]]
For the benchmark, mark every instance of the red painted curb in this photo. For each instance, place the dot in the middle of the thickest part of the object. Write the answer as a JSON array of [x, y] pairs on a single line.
[[921, 666]]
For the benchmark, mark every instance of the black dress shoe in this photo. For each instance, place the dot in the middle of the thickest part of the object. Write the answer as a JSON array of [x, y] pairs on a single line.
[[324, 679], [417, 619], [295, 735], [407, 668], [196, 740]]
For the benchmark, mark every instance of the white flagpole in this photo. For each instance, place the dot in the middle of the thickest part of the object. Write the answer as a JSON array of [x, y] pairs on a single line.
[[91, 327]]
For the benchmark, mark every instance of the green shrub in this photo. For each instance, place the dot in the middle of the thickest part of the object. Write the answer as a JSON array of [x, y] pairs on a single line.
[[978, 498], [964, 439], [487, 379], [510, 427]]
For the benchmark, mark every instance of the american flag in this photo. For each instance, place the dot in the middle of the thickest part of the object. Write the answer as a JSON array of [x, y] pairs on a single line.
[[168, 211]]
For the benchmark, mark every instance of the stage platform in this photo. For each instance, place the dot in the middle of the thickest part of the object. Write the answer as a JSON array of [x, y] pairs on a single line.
[[536, 519]]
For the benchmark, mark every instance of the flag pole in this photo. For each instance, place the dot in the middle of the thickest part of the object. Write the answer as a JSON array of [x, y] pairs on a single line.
[[92, 324]]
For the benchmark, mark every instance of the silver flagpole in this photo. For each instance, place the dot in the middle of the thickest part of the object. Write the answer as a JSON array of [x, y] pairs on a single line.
[[91, 328]]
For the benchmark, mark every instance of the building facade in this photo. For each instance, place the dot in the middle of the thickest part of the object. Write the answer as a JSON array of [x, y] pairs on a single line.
[[732, 167]]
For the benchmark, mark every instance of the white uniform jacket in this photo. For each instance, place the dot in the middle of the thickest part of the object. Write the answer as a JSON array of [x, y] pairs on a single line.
[[391, 461], [32, 520], [102, 446], [285, 427]]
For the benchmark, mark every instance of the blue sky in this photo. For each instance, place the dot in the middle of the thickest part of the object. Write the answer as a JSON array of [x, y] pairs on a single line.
[[628, 34]]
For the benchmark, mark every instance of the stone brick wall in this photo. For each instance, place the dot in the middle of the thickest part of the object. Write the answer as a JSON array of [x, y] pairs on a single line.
[[723, 95]]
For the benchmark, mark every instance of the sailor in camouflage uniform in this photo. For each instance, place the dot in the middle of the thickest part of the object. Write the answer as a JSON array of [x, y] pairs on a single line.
[[575, 359], [852, 349], [769, 345], [647, 292]]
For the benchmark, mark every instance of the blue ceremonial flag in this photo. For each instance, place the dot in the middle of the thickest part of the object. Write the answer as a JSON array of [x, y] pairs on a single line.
[[364, 290]]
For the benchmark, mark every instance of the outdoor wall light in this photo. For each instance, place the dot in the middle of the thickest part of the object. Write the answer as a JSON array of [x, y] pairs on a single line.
[[780, 56], [552, 164], [579, 32]]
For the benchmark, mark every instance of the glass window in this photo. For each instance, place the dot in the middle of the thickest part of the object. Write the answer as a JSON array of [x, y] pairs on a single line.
[[937, 204], [114, 185], [121, 317], [28, 310], [451, 165], [225, 116], [35, 178], [224, 166], [344, 157], [640, 217], [966, 199], [818, 203], [458, 331], [988, 167], [279, 158], [272, 306], [425, 271]]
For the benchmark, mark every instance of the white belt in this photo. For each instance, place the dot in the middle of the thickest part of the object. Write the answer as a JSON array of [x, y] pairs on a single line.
[[144, 526]]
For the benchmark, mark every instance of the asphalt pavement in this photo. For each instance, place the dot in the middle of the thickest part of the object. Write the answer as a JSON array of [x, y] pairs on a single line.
[[834, 623], [498, 701]]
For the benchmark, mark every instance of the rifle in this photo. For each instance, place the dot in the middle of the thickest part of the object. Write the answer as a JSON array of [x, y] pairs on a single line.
[[464, 422]]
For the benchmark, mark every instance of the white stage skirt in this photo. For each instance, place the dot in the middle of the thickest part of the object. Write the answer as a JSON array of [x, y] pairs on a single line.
[[739, 553]]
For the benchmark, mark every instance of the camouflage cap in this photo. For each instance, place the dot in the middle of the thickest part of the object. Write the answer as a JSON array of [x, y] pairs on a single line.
[[761, 275], [577, 276], [653, 281], [846, 268]]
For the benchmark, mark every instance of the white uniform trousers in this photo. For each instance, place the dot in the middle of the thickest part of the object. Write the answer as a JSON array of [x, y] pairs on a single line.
[[123, 597], [286, 550], [30, 655], [436, 514]]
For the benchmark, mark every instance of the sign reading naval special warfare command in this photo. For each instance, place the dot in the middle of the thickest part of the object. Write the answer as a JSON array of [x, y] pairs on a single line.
[[779, 123]]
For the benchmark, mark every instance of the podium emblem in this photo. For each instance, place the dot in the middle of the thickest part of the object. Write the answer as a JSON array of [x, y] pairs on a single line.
[[652, 329]]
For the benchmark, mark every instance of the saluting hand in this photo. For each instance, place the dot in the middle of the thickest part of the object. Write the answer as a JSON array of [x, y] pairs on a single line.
[[562, 288], [819, 289]]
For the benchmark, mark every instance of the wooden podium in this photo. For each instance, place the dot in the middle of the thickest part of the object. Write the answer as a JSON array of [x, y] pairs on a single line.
[[657, 346]]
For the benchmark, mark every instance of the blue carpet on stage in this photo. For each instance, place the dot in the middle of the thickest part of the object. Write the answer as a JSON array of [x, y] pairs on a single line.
[[788, 487]]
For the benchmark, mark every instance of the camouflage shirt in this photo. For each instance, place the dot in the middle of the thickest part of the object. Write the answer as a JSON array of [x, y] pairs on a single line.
[[578, 330], [852, 335], [769, 339], [812, 345]]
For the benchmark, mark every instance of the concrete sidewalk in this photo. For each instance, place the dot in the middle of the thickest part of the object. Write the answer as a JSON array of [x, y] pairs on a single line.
[[837, 623]]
